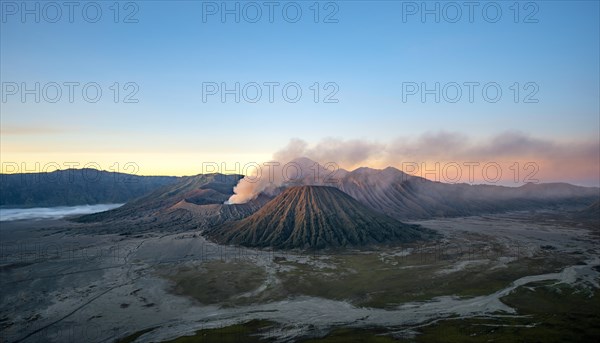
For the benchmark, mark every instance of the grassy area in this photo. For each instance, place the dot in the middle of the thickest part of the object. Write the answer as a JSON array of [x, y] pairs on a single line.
[[551, 314], [347, 335], [218, 282], [134, 336], [362, 279], [257, 331], [547, 313], [366, 280], [246, 332]]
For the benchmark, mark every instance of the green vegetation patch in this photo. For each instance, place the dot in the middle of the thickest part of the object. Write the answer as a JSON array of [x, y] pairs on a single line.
[[218, 282], [550, 313], [369, 280], [351, 335], [134, 336], [258, 331], [246, 332]]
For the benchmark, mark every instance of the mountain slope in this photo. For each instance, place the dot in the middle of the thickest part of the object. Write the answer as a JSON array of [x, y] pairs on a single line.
[[402, 196], [314, 217], [193, 202], [76, 187], [197, 202]]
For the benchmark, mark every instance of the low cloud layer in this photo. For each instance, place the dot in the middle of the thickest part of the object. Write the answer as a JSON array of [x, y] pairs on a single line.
[[10, 214]]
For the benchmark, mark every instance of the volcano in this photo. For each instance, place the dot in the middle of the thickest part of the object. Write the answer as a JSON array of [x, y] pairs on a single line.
[[191, 203], [315, 217]]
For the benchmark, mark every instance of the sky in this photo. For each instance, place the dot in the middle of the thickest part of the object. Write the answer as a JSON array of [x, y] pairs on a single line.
[[367, 83]]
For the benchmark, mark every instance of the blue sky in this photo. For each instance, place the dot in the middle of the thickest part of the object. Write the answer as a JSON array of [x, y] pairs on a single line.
[[368, 54]]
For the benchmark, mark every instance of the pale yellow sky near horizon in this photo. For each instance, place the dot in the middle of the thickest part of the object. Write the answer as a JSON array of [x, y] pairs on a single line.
[[505, 158], [168, 164], [502, 172]]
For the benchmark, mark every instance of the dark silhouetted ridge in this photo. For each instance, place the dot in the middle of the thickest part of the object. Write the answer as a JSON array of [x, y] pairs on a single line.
[[76, 187]]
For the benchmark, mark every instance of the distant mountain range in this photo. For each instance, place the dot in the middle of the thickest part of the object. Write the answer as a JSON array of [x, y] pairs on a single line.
[[76, 187], [403, 196], [315, 217], [198, 202]]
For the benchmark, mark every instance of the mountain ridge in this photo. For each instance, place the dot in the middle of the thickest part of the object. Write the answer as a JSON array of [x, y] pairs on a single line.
[[70, 187], [200, 198], [404, 196], [194, 202]]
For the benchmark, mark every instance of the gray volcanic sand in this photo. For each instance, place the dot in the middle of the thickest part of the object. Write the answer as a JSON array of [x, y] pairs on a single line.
[[60, 283]]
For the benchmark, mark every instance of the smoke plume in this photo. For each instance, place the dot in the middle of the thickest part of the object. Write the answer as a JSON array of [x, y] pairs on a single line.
[[569, 161]]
